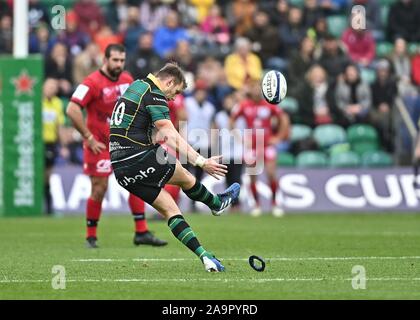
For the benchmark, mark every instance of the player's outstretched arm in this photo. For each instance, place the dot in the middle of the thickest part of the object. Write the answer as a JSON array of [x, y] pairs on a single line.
[[167, 132], [76, 116]]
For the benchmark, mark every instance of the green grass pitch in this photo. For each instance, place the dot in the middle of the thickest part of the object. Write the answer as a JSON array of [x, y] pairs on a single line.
[[308, 256]]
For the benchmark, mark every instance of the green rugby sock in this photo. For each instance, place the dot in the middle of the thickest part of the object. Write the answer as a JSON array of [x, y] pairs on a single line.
[[183, 232], [200, 193]]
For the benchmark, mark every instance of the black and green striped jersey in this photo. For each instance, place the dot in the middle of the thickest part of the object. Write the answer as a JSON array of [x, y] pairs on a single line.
[[134, 114]]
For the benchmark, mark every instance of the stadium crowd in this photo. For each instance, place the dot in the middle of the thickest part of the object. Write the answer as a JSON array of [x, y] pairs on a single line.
[[336, 75]]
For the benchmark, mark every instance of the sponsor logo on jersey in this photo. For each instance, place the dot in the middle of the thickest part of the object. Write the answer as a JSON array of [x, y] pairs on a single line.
[[103, 166], [125, 181], [159, 99], [80, 92]]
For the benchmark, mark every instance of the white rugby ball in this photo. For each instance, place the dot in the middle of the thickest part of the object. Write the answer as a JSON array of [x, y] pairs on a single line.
[[274, 87]]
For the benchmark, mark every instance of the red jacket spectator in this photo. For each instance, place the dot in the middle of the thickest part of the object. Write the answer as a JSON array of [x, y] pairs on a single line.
[[89, 16], [360, 45], [415, 67]]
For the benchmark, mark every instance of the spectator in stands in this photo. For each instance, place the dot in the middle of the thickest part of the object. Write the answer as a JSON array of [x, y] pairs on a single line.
[[333, 6], [215, 26], [145, 59], [360, 46], [316, 97], [153, 14], [319, 31], [212, 72], [167, 37], [89, 16], [202, 7], [40, 40], [117, 15], [240, 16], [75, 39], [415, 67], [86, 62], [265, 40], [403, 20], [58, 66], [5, 9], [133, 31], [279, 13], [292, 33], [230, 146], [38, 14], [52, 121], [105, 36], [6, 34], [401, 65], [311, 13], [299, 63], [353, 96], [333, 59], [183, 56], [384, 90], [200, 117], [242, 65]]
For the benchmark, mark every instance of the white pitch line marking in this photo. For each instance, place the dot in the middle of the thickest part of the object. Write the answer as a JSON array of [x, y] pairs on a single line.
[[210, 280], [243, 259]]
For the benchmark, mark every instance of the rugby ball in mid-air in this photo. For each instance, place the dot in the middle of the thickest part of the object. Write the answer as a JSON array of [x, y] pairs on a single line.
[[274, 87]]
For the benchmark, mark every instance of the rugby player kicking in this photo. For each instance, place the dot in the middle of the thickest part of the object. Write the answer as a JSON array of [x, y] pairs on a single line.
[[140, 119]]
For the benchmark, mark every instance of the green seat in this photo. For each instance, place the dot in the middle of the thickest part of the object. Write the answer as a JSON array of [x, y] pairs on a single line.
[[297, 3], [300, 132], [285, 159], [336, 25], [368, 75], [363, 147], [413, 48], [345, 160], [362, 138], [377, 159], [311, 159], [386, 2], [339, 148], [384, 16], [329, 134], [384, 49], [289, 104]]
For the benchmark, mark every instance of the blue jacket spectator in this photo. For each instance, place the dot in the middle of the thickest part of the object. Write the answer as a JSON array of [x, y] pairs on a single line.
[[167, 37]]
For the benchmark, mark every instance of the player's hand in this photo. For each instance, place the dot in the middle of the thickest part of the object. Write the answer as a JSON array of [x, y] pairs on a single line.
[[95, 145], [214, 168]]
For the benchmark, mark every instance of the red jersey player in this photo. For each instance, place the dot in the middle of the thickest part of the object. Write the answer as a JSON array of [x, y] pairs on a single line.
[[259, 114], [97, 95]]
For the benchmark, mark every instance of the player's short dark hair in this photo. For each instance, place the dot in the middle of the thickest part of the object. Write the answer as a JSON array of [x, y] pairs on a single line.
[[172, 69], [113, 47]]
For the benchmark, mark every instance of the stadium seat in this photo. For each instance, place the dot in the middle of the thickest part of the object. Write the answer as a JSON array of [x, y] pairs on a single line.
[[300, 132], [285, 159], [362, 138], [368, 75], [384, 49], [297, 3], [386, 2], [384, 16], [336, 25], [311, 159], [376, 159], [290, 105], [339, 148], [413, 47], [345, 160], [328, 135]]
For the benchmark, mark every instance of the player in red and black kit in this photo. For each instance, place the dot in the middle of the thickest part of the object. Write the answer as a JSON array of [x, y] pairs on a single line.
[[97, 95], [259, 114]]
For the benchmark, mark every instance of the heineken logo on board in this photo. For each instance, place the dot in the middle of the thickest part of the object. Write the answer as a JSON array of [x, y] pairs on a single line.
[[24, 83]]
